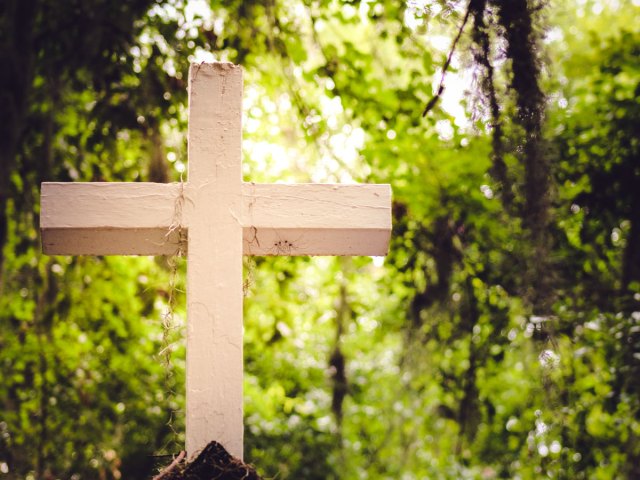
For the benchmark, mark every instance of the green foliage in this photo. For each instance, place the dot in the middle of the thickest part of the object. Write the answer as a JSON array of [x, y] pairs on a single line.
[[431, 363]]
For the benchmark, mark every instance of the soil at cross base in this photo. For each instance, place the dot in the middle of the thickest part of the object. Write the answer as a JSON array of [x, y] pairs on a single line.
[[213, 463]]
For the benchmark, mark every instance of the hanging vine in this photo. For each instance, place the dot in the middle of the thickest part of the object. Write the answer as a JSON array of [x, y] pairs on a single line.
[[508, 28]]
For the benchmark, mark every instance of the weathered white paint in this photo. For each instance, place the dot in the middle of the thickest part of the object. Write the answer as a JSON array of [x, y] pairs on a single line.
[[134, 218], [316, 219], [109, 218], [214, 273], [222, 218]]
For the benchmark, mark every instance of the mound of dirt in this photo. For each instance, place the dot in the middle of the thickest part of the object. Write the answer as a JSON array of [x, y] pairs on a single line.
[[213, 463]]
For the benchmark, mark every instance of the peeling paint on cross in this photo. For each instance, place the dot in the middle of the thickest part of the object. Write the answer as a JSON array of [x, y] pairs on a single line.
[[223, 218]]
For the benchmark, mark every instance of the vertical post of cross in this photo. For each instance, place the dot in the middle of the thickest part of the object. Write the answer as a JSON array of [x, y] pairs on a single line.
[[214, 259]]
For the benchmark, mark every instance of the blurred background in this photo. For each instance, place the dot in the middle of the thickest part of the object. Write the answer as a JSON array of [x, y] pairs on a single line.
[[500, 338]]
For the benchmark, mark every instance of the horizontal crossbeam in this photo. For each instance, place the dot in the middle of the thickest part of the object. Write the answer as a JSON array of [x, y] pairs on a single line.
[[277, 219]]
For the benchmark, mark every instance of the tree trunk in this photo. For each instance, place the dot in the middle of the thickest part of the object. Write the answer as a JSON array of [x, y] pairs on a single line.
[[515, 17], [17, 20]]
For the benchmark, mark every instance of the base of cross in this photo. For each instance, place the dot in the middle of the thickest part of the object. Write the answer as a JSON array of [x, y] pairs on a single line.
[[213, 462]]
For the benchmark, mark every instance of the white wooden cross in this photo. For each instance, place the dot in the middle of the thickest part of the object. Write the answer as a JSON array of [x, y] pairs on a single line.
[[223, 218]]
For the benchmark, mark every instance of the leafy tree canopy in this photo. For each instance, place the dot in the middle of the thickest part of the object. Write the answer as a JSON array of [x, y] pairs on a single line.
[[500, 338]]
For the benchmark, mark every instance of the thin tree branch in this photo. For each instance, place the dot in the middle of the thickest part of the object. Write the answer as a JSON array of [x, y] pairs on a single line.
[[447, 63]]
